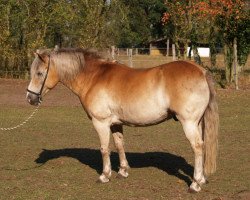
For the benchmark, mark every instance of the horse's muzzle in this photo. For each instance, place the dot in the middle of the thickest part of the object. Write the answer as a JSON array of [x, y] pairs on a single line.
[[33, 99]]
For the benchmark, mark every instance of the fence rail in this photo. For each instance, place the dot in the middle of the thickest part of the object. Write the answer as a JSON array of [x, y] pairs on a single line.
[[136, 58]]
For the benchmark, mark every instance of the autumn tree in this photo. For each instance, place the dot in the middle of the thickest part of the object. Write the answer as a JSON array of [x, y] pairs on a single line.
[[229, 16], [206, 20], [184, 24]]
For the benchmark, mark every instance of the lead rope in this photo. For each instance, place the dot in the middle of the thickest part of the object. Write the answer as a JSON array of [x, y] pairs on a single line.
[[24, 122]]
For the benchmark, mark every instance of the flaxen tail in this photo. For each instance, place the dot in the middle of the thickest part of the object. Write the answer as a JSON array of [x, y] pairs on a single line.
[[210, 128]]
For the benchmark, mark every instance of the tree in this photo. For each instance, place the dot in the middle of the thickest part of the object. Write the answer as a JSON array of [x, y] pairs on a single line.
[[201, 19], [184, 25], [28, 24], [144, 22], [228, 16], [97, 24]]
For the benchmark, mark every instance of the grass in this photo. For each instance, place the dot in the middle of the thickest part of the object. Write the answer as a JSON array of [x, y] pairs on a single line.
[[56, 156]]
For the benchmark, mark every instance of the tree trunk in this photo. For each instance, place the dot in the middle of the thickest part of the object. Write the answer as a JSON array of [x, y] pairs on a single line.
[[228, 63], [212, 47], [235, 63], [178, 50], [197, 57]]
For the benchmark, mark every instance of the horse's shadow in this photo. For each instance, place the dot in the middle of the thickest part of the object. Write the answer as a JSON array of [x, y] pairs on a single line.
[[172, 164]]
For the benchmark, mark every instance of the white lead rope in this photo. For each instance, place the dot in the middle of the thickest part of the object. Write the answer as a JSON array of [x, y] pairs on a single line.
[[24, 122]]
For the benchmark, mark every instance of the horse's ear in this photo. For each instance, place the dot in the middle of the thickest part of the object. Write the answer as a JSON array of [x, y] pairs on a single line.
[[42, 57], [37, 52]]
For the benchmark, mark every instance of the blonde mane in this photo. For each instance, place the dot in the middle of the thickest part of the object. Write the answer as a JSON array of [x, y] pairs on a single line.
[[69, 62]]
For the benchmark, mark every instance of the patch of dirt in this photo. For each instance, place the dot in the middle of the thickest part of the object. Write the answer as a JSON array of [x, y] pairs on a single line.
[[13, 92], [243, 195]]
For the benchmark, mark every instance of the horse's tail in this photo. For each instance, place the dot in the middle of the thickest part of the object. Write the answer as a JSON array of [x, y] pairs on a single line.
[[210, 128]]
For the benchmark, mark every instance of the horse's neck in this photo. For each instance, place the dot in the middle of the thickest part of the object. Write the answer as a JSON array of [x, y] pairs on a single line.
[[86, 78]]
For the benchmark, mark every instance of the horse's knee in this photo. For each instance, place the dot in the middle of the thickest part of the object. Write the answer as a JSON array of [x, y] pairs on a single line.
[[104, 151], [199, 145]]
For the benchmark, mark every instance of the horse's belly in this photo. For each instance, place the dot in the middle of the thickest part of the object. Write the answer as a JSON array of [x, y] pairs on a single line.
[[144, 113], [141, 120]]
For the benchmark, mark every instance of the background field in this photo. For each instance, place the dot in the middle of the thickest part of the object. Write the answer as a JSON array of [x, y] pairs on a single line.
[[56, 155]]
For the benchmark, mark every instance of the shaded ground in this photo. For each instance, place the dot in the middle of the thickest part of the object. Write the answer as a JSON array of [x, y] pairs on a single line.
[[56, 155]]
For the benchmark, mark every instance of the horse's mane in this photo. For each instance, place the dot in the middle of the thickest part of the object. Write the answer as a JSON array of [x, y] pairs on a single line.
[[88, 53], [70, 61]]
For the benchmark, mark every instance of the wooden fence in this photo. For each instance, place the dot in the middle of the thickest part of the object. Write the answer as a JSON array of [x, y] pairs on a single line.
[[136, 58]]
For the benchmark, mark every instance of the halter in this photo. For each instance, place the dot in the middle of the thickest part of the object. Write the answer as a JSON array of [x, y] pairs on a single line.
[[39, 94]]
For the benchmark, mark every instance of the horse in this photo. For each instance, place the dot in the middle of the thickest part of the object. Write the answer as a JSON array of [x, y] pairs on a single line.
[[114, 95]]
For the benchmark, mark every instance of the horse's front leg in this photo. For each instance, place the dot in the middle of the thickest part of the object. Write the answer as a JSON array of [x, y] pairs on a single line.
[[103, 130], [117, 133]]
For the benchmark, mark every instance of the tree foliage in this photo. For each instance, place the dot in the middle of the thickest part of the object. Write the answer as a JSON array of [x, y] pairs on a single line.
[[144, 22], [210, 20], [26, 25]]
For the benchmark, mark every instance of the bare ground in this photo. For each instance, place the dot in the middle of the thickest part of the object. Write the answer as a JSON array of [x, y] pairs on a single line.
[[13, 92]]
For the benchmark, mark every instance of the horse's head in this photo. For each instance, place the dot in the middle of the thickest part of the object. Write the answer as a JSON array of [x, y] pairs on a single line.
[[43, 78]]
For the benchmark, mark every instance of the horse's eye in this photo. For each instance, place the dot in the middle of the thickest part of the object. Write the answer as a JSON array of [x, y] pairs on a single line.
[[39, 73]]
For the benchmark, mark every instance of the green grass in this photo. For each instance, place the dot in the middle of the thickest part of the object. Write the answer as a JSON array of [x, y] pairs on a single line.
[[56, 156]]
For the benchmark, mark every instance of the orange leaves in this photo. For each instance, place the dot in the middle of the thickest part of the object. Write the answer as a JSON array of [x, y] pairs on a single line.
[[203, 9], [165, 18]]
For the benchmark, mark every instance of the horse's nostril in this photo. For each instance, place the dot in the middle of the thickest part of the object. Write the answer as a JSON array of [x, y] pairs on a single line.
[[32, 100], [28, 97]]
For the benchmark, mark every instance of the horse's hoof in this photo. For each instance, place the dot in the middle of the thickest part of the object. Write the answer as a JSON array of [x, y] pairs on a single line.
[[192, 191], [102, 179], [120, 176], [194, 187], [101, 182]]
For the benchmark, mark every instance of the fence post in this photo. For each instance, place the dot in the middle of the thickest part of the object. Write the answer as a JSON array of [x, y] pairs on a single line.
[[136, 51], [113, 52], [167, 53], [130, 52], [173, 52], [150, 49]]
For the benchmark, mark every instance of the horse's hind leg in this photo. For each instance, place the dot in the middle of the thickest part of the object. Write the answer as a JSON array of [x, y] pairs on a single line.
[[193, 133], [103, 130], [117, 133]]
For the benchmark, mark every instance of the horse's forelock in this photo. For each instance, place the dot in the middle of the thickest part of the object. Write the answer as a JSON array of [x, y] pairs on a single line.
[[35, 64]]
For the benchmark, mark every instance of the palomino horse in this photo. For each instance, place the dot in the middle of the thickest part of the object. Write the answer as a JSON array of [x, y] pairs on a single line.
[[113, 95]]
